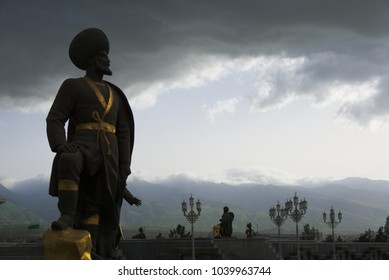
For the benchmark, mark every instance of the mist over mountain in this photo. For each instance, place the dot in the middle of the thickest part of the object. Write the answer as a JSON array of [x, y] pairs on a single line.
[[363, 202]]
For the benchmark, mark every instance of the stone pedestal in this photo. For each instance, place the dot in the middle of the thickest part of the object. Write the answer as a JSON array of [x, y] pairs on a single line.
[[69, 244]]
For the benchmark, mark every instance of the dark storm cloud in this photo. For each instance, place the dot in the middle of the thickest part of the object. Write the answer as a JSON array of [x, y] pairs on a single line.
[[343, 41]]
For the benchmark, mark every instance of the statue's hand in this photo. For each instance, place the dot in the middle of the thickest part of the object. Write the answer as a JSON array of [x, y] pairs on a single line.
[[137, 201], [67, 148], [133, 200], [127, 195]]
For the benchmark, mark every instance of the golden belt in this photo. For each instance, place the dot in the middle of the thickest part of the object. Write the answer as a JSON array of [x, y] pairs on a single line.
[[100, 126]]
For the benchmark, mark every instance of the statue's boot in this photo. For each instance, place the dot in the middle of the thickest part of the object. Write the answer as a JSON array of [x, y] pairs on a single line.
[[67, 204], [92, 225]]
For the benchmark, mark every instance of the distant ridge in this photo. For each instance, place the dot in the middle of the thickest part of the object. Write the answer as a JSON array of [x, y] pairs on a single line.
[[362, 201]]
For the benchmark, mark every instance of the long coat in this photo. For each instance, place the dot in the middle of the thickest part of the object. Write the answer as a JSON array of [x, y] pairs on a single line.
[[104, 153]]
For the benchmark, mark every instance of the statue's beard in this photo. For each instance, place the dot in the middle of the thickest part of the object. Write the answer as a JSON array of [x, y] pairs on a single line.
[[104, 69], [108, 72]]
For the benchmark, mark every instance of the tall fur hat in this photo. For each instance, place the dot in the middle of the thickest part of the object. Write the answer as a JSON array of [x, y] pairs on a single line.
[[87, 44]]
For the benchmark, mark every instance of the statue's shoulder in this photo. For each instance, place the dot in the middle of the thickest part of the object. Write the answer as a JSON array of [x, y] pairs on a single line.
[[72, 84], [73, 81]]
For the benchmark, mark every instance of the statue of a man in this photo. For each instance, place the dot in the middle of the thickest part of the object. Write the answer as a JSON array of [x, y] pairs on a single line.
[[93, 160], [226, 222]]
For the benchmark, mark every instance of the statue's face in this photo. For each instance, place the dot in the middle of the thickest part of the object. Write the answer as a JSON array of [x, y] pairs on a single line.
[[102, 63]]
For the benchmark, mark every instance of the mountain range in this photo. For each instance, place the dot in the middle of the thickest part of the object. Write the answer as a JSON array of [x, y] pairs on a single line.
[[363, 203]]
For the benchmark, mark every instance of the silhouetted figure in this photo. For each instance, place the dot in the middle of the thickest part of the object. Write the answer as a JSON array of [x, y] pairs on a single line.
[[140, 235], [93, 160], [159, 236], [226, 223], [179, 232], [249, 231]]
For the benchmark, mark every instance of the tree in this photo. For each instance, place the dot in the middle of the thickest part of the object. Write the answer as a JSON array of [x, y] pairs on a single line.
[[328, 238], [380, 236], [310, 233], [339, 239], [366, 237], [386, 228]]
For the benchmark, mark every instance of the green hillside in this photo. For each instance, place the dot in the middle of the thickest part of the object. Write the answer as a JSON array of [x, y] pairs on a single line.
[[14, 214], [362, 202]]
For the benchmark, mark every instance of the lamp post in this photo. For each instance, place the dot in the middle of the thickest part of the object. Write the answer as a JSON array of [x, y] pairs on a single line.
[[278, 215], [296, 214], [192, 217], [332, 223]]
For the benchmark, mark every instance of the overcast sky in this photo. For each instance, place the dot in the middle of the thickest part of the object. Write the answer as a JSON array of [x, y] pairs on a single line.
[[266, 91]]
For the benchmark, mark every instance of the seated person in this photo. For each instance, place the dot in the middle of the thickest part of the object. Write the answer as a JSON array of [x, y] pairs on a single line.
[[226, 222], [140, 235]]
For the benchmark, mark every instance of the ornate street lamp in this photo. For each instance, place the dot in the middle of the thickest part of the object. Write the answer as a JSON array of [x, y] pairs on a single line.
[[296, 214], [192, 217], [278, 215], [332, 223]]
